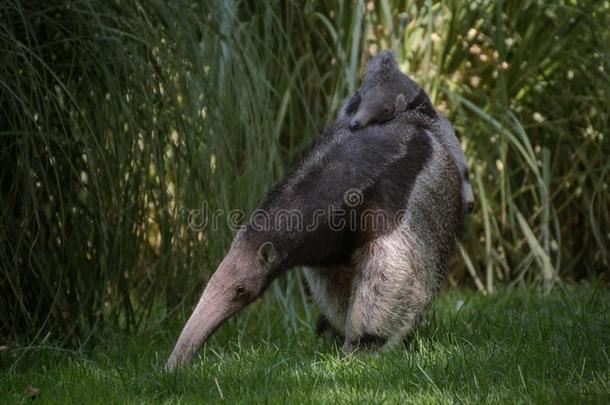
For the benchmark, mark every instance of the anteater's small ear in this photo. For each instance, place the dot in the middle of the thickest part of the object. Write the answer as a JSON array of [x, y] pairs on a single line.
[[267, 254], [400, 104]]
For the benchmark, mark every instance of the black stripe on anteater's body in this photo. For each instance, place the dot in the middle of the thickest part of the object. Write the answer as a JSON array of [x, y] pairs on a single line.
[[378, 173], [371, 283]]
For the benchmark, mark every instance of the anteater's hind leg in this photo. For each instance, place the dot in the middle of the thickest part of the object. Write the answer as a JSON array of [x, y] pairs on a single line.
[[331, 287], [391, 289]]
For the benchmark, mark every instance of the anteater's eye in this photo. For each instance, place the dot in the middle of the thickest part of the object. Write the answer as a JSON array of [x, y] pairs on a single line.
[[240, 290], [386, 110]]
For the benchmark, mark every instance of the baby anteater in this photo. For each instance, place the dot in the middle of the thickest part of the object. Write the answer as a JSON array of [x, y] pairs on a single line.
[[386, 91]]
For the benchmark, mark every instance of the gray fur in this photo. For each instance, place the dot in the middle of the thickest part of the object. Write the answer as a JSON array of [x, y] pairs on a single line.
[[395, 276], [446, 135], [383, 69], [385, 91]]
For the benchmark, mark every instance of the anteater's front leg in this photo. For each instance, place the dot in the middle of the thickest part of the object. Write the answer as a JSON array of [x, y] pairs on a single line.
[[331, 287], [391, 291]]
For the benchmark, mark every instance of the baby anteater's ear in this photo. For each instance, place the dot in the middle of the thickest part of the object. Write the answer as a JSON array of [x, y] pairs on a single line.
[[400, 104]]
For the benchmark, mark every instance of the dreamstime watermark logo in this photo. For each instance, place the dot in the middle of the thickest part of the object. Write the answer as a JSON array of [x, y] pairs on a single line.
[[353, 197], [205, 218], [351, 213]]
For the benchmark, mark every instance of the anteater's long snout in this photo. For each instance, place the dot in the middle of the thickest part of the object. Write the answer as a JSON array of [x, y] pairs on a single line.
[[211, 311], [360, 120]]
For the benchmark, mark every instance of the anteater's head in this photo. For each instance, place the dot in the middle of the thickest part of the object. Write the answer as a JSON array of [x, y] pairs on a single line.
[[385, 91], [241, 277], [377, 105]]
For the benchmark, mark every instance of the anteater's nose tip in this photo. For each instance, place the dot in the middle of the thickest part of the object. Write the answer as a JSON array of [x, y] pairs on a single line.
[[354, 125]]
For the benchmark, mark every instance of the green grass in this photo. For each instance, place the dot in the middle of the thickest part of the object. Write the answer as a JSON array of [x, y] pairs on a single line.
[[518, 346]]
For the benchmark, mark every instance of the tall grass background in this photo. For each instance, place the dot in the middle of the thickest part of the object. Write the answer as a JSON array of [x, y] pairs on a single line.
[[118, 119]]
